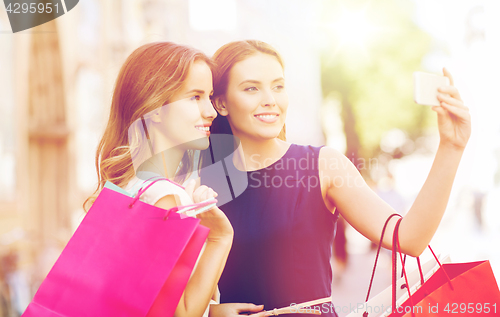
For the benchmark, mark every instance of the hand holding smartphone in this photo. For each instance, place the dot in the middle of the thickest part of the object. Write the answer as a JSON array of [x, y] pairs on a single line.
[[425, 88]]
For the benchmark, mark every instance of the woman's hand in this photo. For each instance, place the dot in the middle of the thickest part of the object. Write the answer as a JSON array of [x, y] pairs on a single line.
[[235, 309], [454, 119], [214, 219]]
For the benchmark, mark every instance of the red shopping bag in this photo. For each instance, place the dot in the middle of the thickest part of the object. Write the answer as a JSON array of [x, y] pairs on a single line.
[[127, 258], [456, 288]]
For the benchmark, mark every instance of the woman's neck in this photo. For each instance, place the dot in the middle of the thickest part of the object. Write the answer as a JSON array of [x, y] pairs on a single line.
[[164, 163], [259, 154]]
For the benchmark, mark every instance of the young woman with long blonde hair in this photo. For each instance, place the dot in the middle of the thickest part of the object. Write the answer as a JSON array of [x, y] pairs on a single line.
[[170, 85]]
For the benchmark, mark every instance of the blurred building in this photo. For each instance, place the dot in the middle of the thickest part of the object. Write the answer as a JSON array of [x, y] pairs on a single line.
[[57, 81]]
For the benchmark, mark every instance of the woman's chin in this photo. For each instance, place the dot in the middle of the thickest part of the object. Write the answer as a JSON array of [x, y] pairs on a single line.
[[261, 134], [198, 144], [269, 134]]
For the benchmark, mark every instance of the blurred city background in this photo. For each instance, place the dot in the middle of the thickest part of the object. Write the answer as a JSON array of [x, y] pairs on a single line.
[[349, 68]]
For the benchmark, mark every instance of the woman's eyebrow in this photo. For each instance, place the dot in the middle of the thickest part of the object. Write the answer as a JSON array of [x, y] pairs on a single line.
[[198, 91], [251, 81]]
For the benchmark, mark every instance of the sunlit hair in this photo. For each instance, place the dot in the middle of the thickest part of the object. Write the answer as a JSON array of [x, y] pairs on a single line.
[[225, 58], [147, 80]]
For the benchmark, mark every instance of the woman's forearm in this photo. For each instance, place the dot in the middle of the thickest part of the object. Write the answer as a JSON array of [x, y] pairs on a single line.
[[423, 218], [202, 283]]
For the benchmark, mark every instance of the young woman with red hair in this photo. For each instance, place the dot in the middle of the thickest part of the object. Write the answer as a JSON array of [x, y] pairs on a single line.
[[284, 221], [170, 85]]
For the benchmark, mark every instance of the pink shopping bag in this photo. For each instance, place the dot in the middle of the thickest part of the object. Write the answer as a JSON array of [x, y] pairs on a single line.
[[127, 258]]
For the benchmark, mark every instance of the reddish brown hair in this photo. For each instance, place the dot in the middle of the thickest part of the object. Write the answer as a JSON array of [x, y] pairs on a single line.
[[225, 58], [147, 80]]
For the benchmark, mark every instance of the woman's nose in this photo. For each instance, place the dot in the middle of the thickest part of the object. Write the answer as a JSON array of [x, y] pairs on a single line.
[[268, 99], [208, 110]]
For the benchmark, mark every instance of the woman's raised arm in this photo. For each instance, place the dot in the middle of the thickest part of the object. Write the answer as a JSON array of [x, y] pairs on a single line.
[[344, 187]]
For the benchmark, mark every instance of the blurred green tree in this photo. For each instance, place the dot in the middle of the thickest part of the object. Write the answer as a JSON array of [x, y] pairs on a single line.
[[370, 51]]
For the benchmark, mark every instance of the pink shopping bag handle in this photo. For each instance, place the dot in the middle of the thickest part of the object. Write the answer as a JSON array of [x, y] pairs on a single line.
[[142, 190], [196, 205], [173, 209]]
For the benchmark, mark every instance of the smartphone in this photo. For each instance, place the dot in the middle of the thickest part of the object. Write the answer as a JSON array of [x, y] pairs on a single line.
[[425, 87]]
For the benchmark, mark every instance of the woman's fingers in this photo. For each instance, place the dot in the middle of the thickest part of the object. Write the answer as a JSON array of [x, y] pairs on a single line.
[[448, 74], [203, 193], [459, 112], [250, 307], [213, 193], [238, 309], [242, 307], [262, 314], [451, 101], [439, 109], [199, 193], [450, 90]]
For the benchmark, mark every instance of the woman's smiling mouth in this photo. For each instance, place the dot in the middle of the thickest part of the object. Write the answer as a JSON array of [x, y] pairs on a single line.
[[205, 129], [267, 117]]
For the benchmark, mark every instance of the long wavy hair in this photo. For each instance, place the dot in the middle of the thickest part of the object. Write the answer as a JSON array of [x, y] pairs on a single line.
[[147, 80], [225, 58]]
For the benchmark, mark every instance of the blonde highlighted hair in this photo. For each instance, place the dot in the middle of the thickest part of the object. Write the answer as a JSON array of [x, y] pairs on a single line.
[[147, 80]]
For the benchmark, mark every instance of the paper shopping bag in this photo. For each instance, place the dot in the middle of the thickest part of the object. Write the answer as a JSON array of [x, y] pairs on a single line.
[[473, 291], [456, 288], [380, 304], [435, 289], [125, 259]]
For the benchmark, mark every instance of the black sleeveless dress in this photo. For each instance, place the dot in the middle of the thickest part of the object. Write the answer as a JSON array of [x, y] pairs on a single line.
[[283, 235]]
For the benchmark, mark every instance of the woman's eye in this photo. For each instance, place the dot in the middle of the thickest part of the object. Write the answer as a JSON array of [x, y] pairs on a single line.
[[251, 89], [197, 97], [279, 87]]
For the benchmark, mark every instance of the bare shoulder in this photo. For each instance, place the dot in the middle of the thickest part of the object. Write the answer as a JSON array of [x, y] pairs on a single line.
[[333, 161], [328, 152], [167, 202], [338, 174]]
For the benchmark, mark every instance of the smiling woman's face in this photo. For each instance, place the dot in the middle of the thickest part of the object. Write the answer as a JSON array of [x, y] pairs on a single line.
[[256, 101], [186, 120]]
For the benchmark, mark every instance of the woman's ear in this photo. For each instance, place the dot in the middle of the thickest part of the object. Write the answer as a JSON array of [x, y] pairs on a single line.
[[156, 118], [156, 115], [220, 105]]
